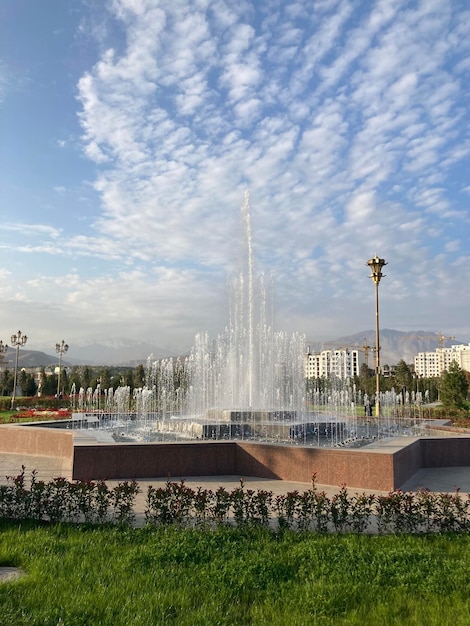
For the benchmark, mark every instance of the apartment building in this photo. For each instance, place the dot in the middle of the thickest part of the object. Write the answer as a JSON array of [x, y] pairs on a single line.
[[340, 363], [432, 364]]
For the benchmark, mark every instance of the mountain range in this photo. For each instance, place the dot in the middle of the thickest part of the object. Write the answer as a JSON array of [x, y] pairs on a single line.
[[395, 346]]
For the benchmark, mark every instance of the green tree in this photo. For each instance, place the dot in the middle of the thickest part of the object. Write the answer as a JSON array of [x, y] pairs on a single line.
[[116, 381], [366, 380], [128, 379], [6, 382], [105, 378], [48, 383], [454, 386], [29, 385], [139, 377], [64, 382], [86, 377], [75, 378], [403, 377], [26, 384]]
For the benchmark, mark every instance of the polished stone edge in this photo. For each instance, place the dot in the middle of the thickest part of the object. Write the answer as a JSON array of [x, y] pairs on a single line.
[[384, 465]]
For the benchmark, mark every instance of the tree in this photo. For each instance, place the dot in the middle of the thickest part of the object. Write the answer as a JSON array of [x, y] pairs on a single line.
[[7, 382], [105, 378], [454, 386], [366, 379], [29, 385], [128, 379], [64, 382], [75, 378], [48, 383], [403, 377], [139, 376], [26, 383], [86, 377]]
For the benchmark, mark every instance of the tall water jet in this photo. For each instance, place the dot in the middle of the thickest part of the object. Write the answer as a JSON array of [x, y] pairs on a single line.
[[249, 367], [247, 382]]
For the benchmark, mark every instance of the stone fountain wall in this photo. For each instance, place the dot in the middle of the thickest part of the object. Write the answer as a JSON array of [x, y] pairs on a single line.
[[382, 466]]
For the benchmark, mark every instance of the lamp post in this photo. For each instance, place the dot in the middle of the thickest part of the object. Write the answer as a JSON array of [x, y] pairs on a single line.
[[16, 341], [376, 266], [61, 348]]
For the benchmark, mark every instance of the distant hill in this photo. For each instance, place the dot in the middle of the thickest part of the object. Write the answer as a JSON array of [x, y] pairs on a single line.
[[119, 352], [124, 353], [395, 345], [30, 358]]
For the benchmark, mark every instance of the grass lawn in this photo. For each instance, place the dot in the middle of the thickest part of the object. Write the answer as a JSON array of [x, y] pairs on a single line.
[[102, 575], [5, 416]]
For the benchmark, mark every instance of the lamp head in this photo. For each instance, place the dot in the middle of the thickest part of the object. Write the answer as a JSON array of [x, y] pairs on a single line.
[[19, 339], [376, 264], [61, 347]]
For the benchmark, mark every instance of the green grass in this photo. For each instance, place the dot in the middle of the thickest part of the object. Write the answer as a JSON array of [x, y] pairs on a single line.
[[101, 575], [5, 416]]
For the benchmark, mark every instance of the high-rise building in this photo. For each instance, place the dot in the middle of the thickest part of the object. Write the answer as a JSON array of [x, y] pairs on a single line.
[[341, 363], [432, 364]]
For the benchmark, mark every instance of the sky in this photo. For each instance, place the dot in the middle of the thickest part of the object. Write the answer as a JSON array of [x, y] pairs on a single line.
[[131, 129]]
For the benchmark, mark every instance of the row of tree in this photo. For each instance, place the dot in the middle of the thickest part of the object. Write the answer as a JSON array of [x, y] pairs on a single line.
[[81, 376], [451, 389]]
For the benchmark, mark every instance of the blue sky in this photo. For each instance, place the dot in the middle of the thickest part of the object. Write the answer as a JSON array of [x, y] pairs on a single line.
[[131, 128]]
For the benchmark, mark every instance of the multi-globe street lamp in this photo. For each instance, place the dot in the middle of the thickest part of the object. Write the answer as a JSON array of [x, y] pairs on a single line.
[[16, 341], [376, 264], [61, 348]]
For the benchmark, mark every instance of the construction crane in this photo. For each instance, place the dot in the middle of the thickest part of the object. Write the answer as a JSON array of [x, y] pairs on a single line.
[[365, 348], [441, 339]]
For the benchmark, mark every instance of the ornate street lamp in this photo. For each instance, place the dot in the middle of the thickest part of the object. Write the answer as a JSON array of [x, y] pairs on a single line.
[[61, 348], [16, 341], [376, 266]]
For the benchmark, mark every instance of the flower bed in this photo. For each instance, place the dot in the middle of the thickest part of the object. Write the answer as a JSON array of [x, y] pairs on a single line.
[[39, 415]]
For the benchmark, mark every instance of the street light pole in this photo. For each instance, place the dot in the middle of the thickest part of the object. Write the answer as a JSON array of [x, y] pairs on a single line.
[[16, 341], [376, 266], [60, 348]]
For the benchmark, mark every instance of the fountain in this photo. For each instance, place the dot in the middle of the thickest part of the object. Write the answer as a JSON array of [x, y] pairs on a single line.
[[243, 396], [248, 383]]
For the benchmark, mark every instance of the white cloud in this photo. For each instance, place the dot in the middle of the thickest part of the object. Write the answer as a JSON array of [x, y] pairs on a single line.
[[31, 229], [346, 121], [361, 207]]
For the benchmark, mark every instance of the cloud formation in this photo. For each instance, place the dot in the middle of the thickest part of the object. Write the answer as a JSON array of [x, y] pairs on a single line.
[[346, 121]]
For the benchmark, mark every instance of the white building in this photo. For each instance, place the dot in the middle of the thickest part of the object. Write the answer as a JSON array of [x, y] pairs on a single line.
[[341, 363], [432, 364]]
